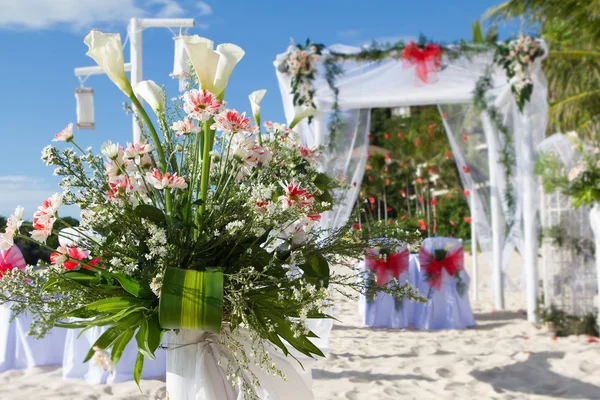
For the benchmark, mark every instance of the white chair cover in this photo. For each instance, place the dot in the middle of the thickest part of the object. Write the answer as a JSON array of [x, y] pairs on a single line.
[[384, 311], [19, 351], [77, 348], [446, 308]]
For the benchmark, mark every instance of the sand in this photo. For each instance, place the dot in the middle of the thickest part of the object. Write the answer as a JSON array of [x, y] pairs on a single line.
[[503, 357]]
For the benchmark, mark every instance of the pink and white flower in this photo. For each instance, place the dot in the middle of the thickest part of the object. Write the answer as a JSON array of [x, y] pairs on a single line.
[[232, 121], [165, 181], [296, 197], [249, 154], [200, 104], [12, 226], [575, 172], [119, 187], [44, 218], [310, 155], [135, 151], [184, 127], [66, 135]]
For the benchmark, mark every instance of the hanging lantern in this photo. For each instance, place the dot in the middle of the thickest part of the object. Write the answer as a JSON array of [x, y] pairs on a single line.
[[85, 108], [181, 64]]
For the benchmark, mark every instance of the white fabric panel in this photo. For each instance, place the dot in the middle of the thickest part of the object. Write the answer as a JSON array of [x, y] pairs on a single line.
[[77, 348], [196, 370], [19, 351]]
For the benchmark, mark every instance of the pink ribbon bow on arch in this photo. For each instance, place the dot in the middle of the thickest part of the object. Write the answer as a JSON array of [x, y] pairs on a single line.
[[428, 60], [395, 264], [452, 263]]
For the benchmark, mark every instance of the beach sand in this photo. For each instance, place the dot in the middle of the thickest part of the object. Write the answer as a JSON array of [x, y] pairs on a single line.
[[503, 357]]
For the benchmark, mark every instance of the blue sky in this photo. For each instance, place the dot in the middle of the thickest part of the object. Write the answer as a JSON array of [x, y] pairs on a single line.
[[42, 41]]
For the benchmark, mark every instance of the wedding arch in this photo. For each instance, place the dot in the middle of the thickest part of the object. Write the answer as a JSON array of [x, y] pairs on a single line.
[[493, 100]]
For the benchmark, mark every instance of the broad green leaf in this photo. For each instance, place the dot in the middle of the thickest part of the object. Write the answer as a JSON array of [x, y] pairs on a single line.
[[120, 344], [150, 212], [191, 300], [322, 181], [140, 289], [83, 277], [137, 369], [141, 338], [109, 305], [155, 333]]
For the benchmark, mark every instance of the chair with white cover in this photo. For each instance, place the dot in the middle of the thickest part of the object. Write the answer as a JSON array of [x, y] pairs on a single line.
[[380, 310], [77, 347], [18, 350], [443, 279]]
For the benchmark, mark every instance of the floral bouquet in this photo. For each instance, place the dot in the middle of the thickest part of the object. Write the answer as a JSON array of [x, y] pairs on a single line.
[[206, 224], [582, 182], [517, 57]]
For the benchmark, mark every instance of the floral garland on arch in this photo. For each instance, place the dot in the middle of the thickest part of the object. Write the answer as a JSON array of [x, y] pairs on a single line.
[[212, 226], [516, 57]]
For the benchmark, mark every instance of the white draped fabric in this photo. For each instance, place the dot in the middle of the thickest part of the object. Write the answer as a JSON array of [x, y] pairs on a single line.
[[366, 85]]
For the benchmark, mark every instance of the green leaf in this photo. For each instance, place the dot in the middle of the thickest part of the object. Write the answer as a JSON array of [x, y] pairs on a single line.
[[83, 277], [322, 181], [109, 305], [191, 300], [106, 339], [142, 340], [120, 344], [140, 289], [137, 369], [150, 212], [155, 333]]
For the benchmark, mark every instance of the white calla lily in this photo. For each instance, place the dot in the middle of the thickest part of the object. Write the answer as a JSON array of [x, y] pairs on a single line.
[[152, 94], [106, 49], [301, 112], [213, 68], [255, 99]]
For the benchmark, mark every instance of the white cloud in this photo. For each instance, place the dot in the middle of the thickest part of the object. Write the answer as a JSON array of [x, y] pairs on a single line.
[[87, 14], [204, 8], [29, 193]]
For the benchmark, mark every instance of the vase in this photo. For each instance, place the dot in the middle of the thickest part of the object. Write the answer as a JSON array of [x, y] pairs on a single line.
[[196, 370], [595, 224]]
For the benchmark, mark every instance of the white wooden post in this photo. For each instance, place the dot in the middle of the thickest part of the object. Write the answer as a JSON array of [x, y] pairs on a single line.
[[496, 213], [135, 58], [474, 217], [530, 227], [595, 223]]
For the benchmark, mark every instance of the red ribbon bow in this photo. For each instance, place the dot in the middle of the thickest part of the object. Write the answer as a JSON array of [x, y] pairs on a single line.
[[395, 264], [427, 60], [453, 263]]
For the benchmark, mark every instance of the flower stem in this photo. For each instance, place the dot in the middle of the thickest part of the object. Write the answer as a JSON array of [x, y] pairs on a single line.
[[208, 143], [159, 150]]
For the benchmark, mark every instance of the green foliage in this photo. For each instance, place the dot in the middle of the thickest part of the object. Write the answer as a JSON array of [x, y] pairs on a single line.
[[563, 324]]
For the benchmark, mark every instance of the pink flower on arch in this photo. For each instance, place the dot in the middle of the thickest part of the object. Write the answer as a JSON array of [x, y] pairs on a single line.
[[231, 121], [466, 169], [200, 104]]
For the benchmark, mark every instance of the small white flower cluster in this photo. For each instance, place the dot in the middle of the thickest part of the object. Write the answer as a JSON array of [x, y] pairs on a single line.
[[156, 284], [233, 227], [156, 242]]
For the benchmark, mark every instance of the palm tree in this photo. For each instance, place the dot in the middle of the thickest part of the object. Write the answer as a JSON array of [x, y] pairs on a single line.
[[572, 31]]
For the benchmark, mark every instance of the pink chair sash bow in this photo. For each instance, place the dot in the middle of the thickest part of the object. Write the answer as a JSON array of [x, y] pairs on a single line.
[[426, 60], [452, 263], [395, 264]]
